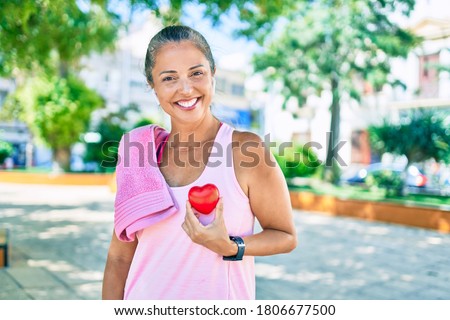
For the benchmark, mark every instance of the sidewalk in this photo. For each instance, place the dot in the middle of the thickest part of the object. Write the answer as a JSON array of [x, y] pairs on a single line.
[[60, 237]]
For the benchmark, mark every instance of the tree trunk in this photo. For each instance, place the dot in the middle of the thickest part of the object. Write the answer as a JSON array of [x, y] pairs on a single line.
[[332, 170], [404, 175], [61, 158], [63, 69]]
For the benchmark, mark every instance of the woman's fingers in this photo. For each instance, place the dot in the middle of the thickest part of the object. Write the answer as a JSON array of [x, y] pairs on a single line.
[[191, 224], [219, 209], [218, 219], [185, 227], [191, 216]]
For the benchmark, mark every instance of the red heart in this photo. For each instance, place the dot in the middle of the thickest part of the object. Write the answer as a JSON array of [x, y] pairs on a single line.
[[204, 199]]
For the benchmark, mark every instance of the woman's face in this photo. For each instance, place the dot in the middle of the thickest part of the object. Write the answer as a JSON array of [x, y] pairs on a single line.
[[183, 81]]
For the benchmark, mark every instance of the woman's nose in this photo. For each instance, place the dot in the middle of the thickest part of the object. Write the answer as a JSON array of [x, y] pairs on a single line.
[[185, 86]]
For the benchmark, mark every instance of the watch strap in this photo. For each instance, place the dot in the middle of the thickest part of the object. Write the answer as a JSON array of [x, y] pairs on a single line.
[[241, 249]]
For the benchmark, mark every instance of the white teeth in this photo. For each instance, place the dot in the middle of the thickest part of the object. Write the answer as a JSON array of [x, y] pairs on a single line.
[[187, 104]]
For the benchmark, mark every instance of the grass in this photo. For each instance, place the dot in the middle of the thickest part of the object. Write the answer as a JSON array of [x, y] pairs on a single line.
[[361, 193]]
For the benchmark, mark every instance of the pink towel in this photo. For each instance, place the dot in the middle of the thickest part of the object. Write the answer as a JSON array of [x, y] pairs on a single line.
[[143, 197]]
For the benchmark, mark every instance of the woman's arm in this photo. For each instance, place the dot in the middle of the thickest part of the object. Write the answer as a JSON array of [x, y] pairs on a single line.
[[120, 255], [261, 179]]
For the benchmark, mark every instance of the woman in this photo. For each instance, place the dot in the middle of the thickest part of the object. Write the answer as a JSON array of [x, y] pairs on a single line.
[[188, 255]]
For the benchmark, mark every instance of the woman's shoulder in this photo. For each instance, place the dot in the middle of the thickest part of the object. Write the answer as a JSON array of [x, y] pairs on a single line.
[[250, 150], [242, 137]]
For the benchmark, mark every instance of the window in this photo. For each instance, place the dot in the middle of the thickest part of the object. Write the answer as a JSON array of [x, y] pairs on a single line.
[[138, 84], [237, 90], [429, 76], [220, 84]]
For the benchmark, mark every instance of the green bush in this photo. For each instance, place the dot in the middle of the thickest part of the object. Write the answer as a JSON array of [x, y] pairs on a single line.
[[104, 152], [297, 161], [6, 150], [111, 128], [143, 122], [391, 181]]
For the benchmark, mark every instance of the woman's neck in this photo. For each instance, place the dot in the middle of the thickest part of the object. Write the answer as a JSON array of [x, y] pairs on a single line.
[[201, 132]]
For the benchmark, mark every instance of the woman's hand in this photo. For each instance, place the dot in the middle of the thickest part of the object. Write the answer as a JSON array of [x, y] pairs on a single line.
[[213, 236]]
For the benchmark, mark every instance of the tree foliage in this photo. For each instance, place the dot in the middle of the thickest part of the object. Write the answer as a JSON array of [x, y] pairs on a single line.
[[328, 45], [257, 16], [52, 35], [420, 135]]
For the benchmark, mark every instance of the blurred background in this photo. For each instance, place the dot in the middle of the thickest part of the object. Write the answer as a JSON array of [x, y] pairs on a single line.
[[360, 90], [366, 81]]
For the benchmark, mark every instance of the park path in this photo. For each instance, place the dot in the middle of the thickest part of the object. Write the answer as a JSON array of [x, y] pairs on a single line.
[[60, 237]]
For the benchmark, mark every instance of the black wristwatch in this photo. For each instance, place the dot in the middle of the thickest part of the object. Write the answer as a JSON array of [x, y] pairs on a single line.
[[241, 248]]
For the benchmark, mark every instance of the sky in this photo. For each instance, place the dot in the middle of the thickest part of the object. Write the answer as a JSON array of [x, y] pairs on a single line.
[[430, 8]]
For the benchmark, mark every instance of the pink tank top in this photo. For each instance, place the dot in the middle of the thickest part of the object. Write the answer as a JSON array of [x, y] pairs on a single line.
[[168, 265]]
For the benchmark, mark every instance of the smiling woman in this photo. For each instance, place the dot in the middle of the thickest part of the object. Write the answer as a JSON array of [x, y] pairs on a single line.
[[162, 247]]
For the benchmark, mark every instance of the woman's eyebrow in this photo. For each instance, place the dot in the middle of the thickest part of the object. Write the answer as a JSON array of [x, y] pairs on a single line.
[[196, 66], [173, 71], [167, 71]]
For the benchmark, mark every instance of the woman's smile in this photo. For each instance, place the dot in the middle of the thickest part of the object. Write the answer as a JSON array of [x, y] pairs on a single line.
[[187, 104]]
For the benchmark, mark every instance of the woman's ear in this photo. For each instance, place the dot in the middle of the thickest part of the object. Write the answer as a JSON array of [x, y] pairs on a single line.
[[156, 97], [214, 85]]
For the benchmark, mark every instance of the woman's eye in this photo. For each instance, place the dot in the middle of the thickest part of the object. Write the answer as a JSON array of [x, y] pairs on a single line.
[[168, 79], [197, 73]]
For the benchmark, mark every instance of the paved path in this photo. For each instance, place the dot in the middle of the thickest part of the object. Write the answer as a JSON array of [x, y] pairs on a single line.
[[60, 237]]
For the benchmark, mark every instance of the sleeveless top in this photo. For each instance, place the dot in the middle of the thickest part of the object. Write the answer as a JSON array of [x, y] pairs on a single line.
[[168, 265]]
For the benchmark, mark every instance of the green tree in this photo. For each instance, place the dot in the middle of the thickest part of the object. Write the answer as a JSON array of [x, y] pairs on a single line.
[[330, 44], [421, 134], [52, 35], [56, 110], [42, 43]]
